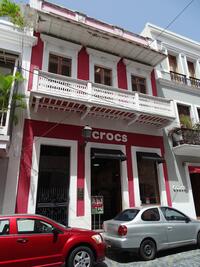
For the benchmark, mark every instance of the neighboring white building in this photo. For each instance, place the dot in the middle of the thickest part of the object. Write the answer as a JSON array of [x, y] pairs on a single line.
[[15, 51], [178, 78]]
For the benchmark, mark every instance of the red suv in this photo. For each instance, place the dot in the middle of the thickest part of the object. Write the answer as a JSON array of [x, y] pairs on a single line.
[[34, 240]]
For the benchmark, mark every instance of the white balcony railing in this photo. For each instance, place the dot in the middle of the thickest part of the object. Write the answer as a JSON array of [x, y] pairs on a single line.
[[48, 84]]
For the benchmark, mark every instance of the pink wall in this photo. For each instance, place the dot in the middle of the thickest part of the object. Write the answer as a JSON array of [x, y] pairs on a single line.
[[153, 83], [36, 59], [121, 74], [83, 65], [38, 128]]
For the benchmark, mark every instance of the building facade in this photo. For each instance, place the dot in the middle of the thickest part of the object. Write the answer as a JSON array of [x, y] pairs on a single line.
[[178, 78], [15, 51], [89, 77]]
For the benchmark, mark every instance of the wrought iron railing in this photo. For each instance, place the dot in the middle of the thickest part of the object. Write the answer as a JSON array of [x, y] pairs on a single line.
[[181, 78], [178, 77], [185, 136]]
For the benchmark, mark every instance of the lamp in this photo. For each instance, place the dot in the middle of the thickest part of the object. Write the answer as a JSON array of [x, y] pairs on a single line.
[[87, 134]]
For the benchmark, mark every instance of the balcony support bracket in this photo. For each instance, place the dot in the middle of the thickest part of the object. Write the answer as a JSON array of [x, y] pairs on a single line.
[[86, 112], [134, 120], [37, 101]]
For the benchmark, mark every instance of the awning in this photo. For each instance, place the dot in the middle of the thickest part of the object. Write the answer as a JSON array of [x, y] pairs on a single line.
[[97, 153], [194, 169], [151, 156]]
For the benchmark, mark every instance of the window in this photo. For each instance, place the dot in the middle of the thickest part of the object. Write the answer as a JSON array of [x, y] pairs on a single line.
[[103, 75], [127, 215], [148, 179], [198, 110], [184, 115], [60, 65], [4, 227], [172, 63], [138, 84], [151, 215], [173, 215], [7, 62], [32, 226], [191, 69]]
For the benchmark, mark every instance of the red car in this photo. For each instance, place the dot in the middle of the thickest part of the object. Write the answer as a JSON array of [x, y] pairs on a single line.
[[34, 240]]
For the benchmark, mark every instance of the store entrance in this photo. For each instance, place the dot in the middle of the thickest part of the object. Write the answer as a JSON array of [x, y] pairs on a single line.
[[195, 183], [106, 188], [53, 183]]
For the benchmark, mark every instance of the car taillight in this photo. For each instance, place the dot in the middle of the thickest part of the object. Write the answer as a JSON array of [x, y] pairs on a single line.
[[122, 230]]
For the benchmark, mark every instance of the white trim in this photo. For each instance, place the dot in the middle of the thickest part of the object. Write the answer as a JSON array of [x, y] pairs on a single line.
[[190, 193], [37, 142], [124, 178], [61, 48], [160, 172], [103, 60]]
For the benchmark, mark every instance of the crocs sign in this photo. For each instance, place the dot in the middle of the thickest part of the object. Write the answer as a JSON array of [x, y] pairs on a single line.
[[117, 137]]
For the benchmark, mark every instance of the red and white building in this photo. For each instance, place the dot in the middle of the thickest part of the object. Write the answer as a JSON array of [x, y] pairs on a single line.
[[87, 72]]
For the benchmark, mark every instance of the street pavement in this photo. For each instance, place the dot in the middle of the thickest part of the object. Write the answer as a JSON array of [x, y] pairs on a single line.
[[181, 257]]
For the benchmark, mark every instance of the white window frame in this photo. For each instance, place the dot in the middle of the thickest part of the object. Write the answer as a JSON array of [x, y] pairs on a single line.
[[191, 107], [37, 142], [160, 172], [139, 70], [60, 48], [104, 60], [124, 177]]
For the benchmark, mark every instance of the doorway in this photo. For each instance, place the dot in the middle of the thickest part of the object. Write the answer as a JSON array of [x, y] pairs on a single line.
[[195, 183], [53, 183], [106, 183]]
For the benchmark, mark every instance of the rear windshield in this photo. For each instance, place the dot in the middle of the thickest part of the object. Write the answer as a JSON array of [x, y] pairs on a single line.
[[126, 215]]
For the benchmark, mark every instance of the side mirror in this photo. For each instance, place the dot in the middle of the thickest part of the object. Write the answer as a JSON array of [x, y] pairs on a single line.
[[187, 219], [55, 232]]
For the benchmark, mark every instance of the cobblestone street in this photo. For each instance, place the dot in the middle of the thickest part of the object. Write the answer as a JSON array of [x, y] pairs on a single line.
[[184, 257]]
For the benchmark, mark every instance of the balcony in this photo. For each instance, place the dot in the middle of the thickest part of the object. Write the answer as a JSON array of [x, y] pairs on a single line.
[[186, 142], [55, 92], [180, 79]]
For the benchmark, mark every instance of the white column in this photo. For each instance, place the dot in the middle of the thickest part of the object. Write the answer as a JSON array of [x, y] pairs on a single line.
[[182, 67], [197, 68]]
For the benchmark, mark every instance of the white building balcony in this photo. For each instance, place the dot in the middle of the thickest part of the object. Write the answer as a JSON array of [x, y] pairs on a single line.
[[186, 142], [175, 79], [55, 92]]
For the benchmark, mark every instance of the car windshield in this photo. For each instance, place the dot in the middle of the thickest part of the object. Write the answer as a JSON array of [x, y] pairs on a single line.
[[126, 215]]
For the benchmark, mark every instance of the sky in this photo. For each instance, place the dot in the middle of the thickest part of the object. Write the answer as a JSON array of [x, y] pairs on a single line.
[[132, 15]]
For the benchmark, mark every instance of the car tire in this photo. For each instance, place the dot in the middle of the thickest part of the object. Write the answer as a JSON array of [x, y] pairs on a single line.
[[147, 249], [198, 240], [82, 256]]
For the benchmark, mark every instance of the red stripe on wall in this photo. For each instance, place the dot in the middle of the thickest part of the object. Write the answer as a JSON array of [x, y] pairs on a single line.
[[121, 74], [36, 59], [80, 178], [153, 83], [130, 177], [83, 65], [25, 170], [169, 201]]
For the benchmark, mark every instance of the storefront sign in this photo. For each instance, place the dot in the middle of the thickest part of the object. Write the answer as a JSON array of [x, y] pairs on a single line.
[[179, 188], [97, 204], [117, 137]]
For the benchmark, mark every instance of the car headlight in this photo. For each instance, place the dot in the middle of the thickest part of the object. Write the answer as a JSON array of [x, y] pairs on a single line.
[[97, 238]]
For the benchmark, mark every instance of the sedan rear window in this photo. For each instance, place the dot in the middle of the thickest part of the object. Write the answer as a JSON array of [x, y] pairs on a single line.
[[126, 215]]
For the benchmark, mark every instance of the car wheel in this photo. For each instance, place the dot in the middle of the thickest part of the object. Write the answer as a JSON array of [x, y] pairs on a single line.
[[80, 256], [148, 249], [198, 240]]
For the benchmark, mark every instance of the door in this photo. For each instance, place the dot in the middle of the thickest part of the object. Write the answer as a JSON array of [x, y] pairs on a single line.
[[36, 245], [180, 231], [105, 183], [195, 182], [53, 183]]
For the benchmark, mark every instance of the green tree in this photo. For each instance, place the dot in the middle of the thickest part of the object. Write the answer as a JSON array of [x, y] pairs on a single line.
[[18, 99], [12, 11]]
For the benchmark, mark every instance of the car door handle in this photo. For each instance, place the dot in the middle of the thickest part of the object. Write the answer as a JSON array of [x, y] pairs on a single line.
[[22, 240], [169, 228]]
